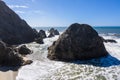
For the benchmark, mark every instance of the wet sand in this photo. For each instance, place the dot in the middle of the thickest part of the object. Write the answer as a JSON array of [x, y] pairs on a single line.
[[8, 75]]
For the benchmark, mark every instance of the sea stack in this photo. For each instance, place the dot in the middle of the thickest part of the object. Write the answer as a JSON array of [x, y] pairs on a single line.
[[53, 32], [78, 42], [13, 29]]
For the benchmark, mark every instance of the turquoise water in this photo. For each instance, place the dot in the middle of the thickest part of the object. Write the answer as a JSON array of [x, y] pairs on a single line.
[[101, 29], [112, 29]]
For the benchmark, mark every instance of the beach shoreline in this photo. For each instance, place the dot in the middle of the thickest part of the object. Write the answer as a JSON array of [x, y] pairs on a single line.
[[8, 75]]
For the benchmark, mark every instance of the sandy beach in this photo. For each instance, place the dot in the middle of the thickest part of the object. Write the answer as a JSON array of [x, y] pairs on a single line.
[[8, 75]]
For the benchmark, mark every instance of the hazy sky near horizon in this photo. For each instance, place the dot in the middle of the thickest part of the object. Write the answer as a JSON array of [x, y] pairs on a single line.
[[65, 12]]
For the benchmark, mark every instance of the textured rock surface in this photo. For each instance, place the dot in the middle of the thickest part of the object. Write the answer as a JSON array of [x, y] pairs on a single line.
[[53, 32], [8, 57], [78, 42], [42, 34], [24, 50], [39, 40], [13, 30]]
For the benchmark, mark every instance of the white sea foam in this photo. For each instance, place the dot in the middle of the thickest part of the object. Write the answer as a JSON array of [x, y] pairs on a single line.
[[106, 68]]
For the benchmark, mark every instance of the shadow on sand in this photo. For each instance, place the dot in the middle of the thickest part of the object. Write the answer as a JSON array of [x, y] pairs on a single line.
[[100, 62], [4, 68]]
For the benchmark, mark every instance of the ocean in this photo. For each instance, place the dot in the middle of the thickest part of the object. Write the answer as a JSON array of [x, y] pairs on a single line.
[[106, 68], [99, 29]]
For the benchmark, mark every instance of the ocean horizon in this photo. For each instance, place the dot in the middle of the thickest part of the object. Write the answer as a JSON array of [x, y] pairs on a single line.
[[45, 40], [99, 29]]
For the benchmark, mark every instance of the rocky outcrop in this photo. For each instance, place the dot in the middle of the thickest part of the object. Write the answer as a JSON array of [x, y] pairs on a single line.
[[8, 57], [78, 42], [13, 29], [39, 40], [36, 33], [53, 32], [23, 50], [39, 36], [42, 34], [51, 35]]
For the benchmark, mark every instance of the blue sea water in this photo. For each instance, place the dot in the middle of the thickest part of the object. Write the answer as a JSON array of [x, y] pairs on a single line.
[[100, 29]]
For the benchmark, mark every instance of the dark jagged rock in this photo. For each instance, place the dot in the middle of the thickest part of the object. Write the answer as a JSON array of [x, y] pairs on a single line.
[[23, 50], [36, 33], [51, 35], [53, 32], [78, 42], [8, 57], [39, 40], [108, 40], [42, 34], [56, 32], [13, 30]]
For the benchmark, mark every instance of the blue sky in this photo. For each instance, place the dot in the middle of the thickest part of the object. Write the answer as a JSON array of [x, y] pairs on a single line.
[[65, 12]]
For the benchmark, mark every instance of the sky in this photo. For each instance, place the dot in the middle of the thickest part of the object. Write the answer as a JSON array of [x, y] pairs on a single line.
[[39, 13]]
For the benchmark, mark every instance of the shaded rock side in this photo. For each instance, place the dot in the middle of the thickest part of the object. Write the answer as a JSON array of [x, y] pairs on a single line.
[[8, 57], [53, 32], [39, 40], [78, 42], [23, 50], [42, 34], [13, 29]]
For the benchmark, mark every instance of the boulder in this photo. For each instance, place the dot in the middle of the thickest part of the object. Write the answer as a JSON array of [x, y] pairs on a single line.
[[8, 57], [39, 40], [56, 32], [53, 32], [78, 42], [23, 50], [42, 34], [51, 35], [13, 29]]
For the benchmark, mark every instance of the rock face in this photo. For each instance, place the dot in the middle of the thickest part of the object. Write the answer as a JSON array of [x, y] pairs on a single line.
[[13, 30], [23, 50], [78, 42], [53, 32], [51, 35], [8, 57], [42, 34], [39, 40]]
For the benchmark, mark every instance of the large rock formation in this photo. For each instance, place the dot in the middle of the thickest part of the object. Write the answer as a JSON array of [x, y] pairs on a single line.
[[8, 57], [78, 42], [13, 30]]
